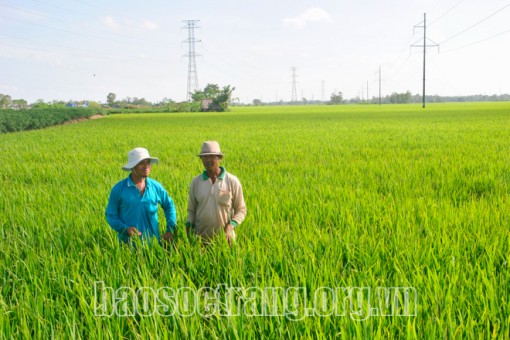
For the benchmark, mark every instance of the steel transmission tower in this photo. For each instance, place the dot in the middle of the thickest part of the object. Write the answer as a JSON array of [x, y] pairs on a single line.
[[192, 66], [294, 91]]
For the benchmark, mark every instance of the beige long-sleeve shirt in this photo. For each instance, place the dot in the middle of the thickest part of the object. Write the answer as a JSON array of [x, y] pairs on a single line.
[[212, 206]]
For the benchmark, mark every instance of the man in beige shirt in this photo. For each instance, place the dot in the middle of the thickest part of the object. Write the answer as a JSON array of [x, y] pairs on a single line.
[[215, 200]]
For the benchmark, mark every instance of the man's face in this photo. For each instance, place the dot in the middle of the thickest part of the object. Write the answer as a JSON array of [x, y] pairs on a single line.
[[211, 161], [143, 169]]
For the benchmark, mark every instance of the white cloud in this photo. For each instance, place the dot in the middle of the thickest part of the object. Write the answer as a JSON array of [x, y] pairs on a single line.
[[313, 14], [149, 25], [110, 23]]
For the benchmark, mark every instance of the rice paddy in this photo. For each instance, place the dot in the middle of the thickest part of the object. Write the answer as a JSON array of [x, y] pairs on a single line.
[[363, 222]]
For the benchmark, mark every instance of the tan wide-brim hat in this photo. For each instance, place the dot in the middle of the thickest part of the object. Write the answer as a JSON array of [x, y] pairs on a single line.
[[210, 148], [137, 155]]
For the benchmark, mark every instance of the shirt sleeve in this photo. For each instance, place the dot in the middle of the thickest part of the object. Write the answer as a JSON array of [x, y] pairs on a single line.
[[169, 208], [112, 212], [238, 204]]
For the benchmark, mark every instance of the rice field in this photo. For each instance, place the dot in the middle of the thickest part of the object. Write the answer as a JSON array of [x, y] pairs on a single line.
[[363, 222]]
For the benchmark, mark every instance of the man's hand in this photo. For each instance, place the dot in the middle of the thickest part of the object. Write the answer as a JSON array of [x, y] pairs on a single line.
[[230, 234], [132, 231], [168, 236]]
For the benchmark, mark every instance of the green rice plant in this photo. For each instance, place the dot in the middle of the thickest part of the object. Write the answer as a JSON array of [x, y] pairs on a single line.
[[345, 203]]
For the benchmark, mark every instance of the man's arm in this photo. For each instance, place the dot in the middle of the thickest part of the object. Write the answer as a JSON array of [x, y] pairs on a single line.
[[238, 204], [112, 212], [169, 208], [192, 207], [170, 213]]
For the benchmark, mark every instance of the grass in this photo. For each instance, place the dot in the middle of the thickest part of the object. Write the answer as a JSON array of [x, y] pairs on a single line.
[[337, 196]]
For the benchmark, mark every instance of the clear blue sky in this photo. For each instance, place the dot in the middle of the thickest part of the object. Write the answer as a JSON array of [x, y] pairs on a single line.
[[85, 49]]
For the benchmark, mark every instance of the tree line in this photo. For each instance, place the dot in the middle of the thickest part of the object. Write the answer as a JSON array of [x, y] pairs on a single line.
[[214, 98], [18, 115], [211, 98], [394, 98]]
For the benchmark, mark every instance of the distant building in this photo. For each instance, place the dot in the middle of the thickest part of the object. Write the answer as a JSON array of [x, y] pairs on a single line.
[[206, 103], [83, 103]]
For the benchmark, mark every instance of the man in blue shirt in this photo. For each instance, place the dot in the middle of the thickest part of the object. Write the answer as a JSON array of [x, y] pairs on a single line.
[[132, 209]]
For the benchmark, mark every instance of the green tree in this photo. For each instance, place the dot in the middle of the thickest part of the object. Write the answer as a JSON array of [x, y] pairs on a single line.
[[337, 98], [5, 101], [40, 104], [140, 102], [400, 98], [110, 99], [58, 103], [212, 98], [19, 103]]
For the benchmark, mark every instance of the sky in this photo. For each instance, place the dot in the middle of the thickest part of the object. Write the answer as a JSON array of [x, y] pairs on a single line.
[[86, 49]]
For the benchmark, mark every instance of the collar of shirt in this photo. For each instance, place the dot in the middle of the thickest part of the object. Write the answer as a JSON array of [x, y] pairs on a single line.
[[130, 182], [221, 176]]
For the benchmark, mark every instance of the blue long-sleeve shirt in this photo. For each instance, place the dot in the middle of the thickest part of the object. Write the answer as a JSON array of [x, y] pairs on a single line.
[[128, 208]]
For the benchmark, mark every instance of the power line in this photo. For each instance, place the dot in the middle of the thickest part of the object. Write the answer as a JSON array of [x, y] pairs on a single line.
[[62, 30], [445, 13], [231, 67], [61, 8], [102, 32], [46, 44], [477, 42], [87, 53], [401, 60], [475, 24], [105, 35], [102, 9]]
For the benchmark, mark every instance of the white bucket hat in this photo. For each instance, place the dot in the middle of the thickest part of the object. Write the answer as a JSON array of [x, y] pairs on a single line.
[[210, 148], [137, 155]]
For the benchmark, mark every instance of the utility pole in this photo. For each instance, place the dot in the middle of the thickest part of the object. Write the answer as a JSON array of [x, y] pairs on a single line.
[[424, 50], [294, 91], [368, 98], [322, 92], [192, 66], [379, 85]]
